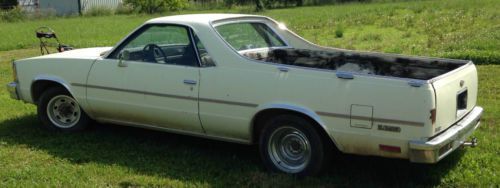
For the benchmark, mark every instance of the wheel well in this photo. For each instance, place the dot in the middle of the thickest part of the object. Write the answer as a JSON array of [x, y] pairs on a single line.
[[38, 87], [265, 115]]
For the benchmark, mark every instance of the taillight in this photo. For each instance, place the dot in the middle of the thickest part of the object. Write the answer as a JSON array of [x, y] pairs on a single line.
[[395, 149], [433, 117]]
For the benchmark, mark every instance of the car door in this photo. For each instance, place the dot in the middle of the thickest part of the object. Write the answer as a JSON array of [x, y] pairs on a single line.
[[150, 79]]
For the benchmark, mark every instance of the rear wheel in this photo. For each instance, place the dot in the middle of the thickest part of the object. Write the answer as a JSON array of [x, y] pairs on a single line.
[[291, 144], [58, 110]]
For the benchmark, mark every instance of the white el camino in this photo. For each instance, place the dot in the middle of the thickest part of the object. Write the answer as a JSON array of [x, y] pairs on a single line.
[[248, 79]]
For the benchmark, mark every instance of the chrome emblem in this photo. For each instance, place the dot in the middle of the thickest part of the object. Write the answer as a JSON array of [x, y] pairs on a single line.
[[462, 83]]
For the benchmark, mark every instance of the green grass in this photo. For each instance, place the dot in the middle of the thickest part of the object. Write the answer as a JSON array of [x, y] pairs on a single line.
[[110, 155], [464, 29]]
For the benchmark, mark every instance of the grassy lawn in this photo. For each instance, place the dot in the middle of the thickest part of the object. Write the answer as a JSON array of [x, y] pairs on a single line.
[[110, 155], [463, 29]]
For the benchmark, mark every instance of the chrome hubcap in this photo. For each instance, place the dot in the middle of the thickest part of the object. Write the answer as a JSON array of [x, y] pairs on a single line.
[[289, 149], [63, 111]]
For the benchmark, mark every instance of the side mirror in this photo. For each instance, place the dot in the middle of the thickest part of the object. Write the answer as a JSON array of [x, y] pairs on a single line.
[[123, 57]]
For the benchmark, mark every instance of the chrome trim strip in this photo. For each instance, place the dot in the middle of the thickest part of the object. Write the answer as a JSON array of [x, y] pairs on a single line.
[[333, 114], [392, 121], [134, 91], [167, 95], [228, 102], [400, 122]]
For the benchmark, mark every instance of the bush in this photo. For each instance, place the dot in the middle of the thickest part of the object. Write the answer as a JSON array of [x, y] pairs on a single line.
[[282, 3], [42, 14], [98, 11], [156, 6], [124, 9], [8, 4], [13, 15], [339, 31], [230, 3]]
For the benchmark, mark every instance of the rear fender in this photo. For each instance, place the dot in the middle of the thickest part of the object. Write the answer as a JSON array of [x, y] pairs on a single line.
[[298, 109]]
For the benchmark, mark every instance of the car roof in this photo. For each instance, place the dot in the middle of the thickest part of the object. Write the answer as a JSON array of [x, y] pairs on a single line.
[[198, 18]]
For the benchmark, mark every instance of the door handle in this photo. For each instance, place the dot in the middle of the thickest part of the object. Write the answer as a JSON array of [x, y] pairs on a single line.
[[283, 69], [190, 82], [344, 75]]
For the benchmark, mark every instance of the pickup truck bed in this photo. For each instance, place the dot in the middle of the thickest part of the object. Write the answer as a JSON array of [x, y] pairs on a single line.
[[452, 83], [360, 62]]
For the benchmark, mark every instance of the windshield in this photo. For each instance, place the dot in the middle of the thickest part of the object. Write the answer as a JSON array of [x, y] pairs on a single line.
[[245, 36]]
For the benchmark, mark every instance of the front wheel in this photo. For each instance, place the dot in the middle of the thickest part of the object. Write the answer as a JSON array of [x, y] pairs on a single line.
[[291, 144], [58, 110]]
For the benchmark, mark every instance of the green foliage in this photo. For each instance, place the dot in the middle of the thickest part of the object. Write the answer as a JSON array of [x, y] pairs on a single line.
[[124, 9], [230, 3], [156, 6], [99, 11], [339, 31], [448, 28], [259, 5], [452, 29], [17, 14], [42, 14], [13, 15], [8, 4]]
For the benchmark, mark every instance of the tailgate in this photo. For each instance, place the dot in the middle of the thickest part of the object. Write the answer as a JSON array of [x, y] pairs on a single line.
[[456, 94]]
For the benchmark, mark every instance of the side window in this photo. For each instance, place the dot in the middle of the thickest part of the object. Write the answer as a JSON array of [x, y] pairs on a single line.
[[165, 44], [244, 36], [206, 59]]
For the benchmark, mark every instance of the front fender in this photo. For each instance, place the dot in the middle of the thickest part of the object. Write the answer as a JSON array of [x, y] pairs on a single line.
[[79, 96], [51, 78]]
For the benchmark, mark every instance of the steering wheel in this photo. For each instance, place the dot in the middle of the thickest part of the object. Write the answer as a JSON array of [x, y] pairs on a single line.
[[153, 53]]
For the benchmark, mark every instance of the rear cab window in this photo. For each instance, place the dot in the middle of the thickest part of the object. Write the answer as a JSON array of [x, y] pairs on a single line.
[[252, 39]]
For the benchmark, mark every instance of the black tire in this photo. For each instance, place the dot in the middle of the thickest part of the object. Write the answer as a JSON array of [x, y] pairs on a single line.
[[79, 121], [293, 126]]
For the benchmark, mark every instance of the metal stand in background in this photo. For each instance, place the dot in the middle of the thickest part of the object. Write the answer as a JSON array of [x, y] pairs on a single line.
[[46, 33]]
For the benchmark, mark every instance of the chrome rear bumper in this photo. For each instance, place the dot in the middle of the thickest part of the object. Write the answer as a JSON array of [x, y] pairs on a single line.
[[442, 145], [12, 89]]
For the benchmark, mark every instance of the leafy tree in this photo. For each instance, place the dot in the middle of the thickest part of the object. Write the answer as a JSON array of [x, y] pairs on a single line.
[[8, 4], [156, 6], [259, 6]]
